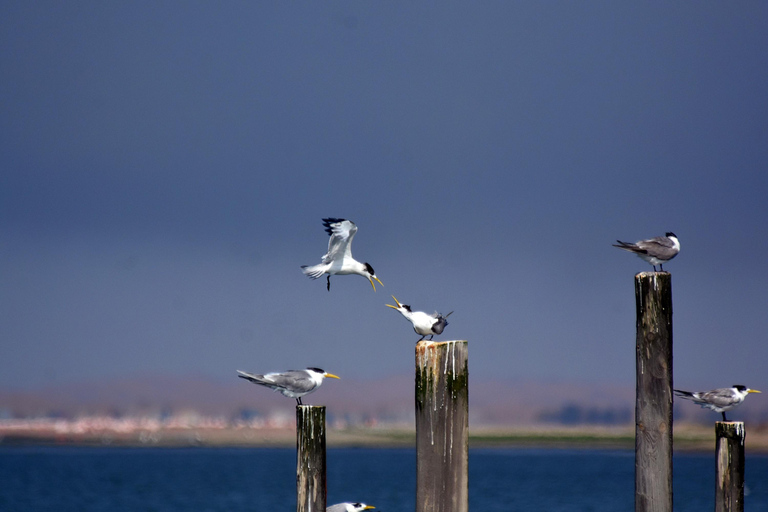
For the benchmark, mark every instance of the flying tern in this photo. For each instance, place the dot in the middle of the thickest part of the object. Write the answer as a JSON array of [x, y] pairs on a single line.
[[423, 323], [656, 251], [348, 507], [338, 259], [719, 400], [293, 383]]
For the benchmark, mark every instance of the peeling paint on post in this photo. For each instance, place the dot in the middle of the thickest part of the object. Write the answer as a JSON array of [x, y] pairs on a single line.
[[653, 406], [442, 426], [310, 458], [729, 460]]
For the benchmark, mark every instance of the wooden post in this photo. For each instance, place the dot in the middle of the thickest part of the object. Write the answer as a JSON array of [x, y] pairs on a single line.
[[653, 406], [442, 426], [729, 458], [310, 458]]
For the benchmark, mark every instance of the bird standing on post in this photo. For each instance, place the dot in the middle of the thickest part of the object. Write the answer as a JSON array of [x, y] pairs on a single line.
[[293, 383], [338, 259], [348, 507], [719, 400], [423, 323], [656, 251]]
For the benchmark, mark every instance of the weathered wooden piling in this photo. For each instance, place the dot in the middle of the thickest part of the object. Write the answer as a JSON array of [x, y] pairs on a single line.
[[653, 406], [442, 426], [729, 459], [310, 458]]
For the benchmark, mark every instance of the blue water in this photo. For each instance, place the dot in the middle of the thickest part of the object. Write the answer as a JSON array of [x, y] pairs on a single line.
[[232, 480]]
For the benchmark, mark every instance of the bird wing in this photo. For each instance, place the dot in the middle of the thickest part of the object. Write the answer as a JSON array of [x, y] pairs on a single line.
[[660, 245], [297, 381], [720, 397], [339, 507], [342, 232]]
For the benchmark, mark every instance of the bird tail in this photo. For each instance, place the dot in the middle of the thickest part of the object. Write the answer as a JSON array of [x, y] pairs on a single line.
[[684, 394], [314, 271], [625, 245], [253, 377]]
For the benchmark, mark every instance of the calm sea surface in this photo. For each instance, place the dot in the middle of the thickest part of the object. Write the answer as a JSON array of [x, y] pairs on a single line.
[[233, 480]]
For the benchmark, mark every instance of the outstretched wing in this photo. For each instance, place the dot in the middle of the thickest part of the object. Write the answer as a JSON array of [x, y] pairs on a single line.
[[342, 232]]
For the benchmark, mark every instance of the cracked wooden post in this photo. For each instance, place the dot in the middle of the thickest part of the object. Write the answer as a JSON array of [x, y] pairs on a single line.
[[310, 458], [653, 406], [442, 426], [729, 459]]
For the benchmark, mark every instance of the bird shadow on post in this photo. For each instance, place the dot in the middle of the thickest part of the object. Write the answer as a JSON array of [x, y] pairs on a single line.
[[442, 426], [310, 458], [729, 461], [653, 406]]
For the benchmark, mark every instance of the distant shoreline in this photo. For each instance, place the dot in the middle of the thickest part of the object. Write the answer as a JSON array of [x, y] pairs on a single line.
[[687, 438]]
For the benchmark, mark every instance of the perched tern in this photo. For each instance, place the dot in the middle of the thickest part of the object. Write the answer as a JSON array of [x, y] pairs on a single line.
[[348, 507], [719, 400], [423, 323], [656, 251], [293, 383], [338, 259]]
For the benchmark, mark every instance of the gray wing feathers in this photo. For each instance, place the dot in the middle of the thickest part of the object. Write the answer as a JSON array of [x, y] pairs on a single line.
[[296, 381], [293, 380], [659, 246], [718, 397], [442, 321]]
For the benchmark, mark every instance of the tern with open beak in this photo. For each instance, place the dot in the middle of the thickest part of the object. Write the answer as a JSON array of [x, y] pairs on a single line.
[[656, 251], [719, 400], [338, 260], [423, 323], [293, 383]]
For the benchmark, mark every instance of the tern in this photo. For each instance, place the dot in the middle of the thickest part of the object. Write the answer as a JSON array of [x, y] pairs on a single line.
[[719, 400], [338, 259], [348, 507], [293, 383], [656, 251], [423, 323]]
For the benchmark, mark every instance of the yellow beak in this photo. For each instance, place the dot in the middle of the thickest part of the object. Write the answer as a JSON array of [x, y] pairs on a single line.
[[396, 302], [368, 507], [374, 286], [753, 391], [332, 376]]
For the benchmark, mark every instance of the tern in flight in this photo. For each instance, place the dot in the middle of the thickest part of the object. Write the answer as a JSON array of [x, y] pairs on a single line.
[[338, 259], [719, 400], [423, 323], [656, 251], [348, 507], [293, 383]]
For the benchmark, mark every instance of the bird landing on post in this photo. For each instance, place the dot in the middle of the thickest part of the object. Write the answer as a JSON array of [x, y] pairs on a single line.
[[338, 260]]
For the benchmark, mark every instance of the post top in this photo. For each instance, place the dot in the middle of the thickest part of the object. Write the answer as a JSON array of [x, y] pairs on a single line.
[[428, 342]]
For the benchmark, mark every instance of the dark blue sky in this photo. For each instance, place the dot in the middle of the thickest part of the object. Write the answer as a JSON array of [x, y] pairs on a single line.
[[165, 168]]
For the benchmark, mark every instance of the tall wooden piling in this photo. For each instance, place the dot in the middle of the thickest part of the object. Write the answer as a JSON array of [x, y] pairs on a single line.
[[442, 426], [729, 459], [310, 458], [653, 406]]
